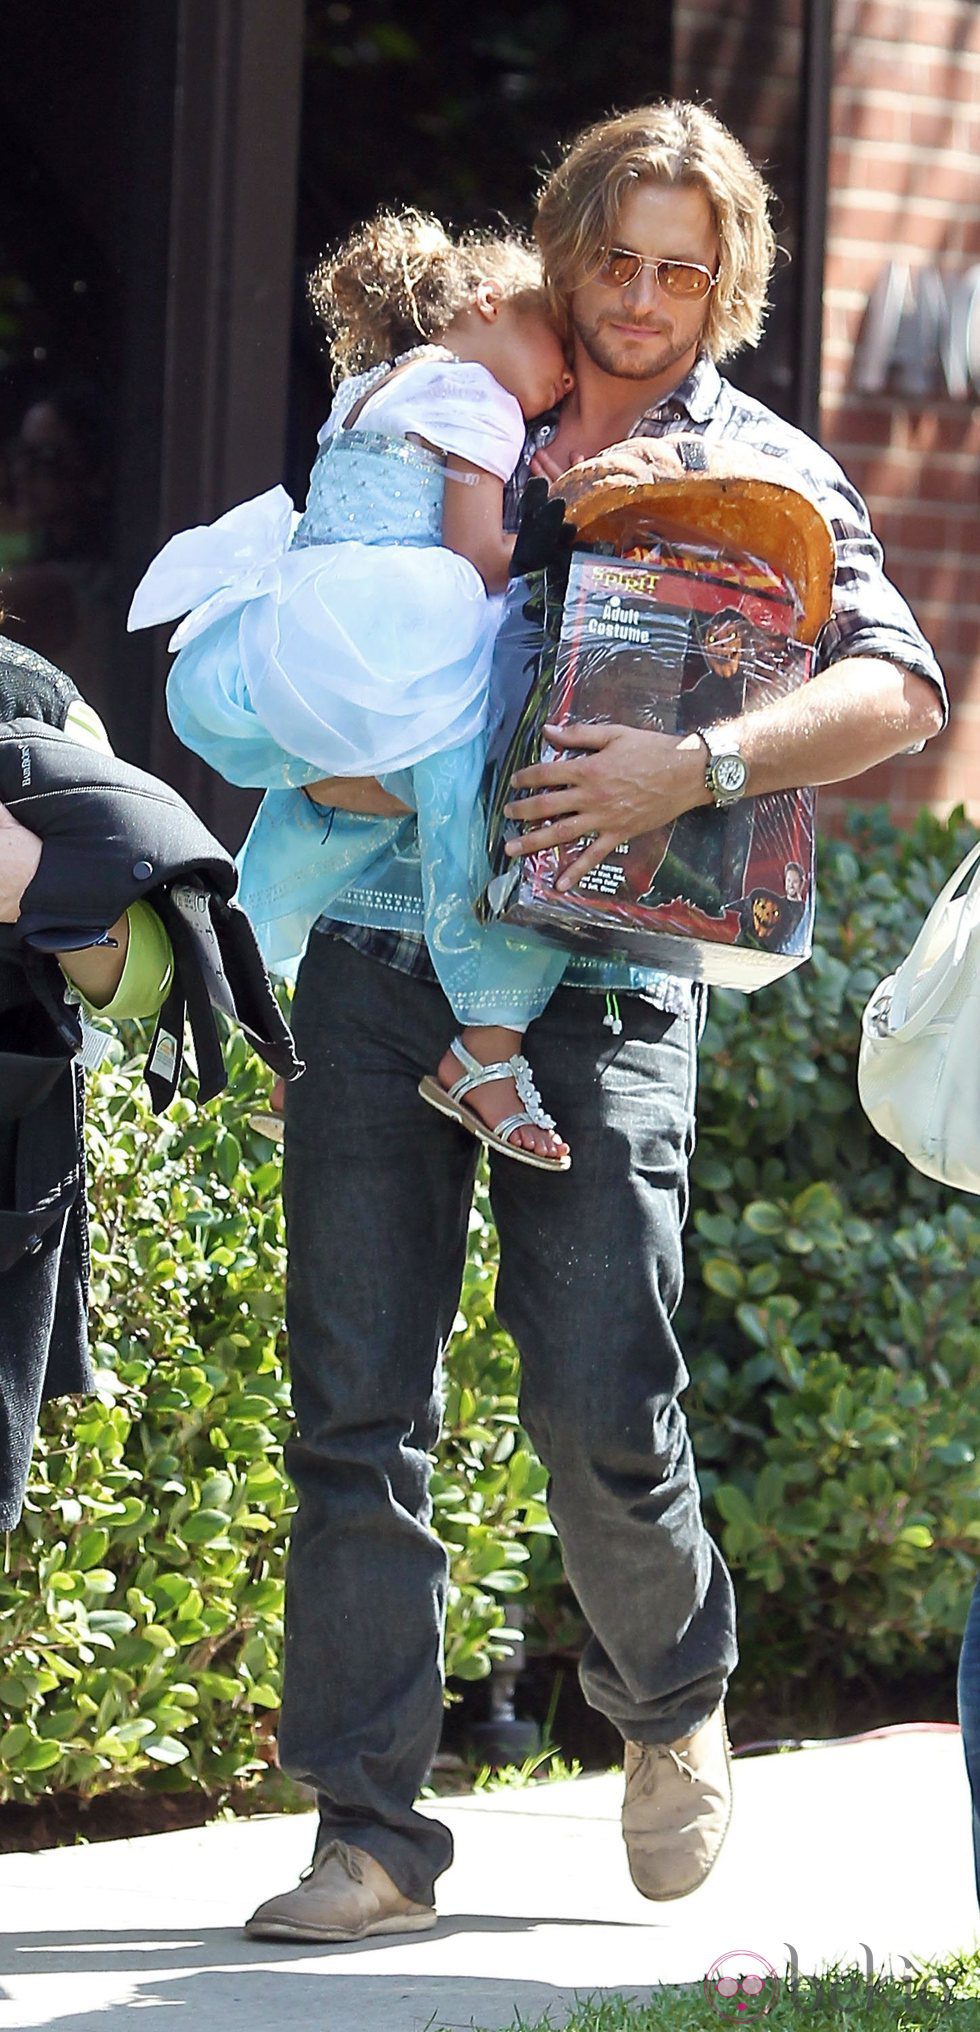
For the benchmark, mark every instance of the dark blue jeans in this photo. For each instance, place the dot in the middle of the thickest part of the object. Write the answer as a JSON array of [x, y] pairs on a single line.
[[968, 1692], [377, 1191]]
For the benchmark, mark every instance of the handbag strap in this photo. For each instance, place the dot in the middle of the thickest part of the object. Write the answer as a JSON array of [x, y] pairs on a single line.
[[900, 1022]]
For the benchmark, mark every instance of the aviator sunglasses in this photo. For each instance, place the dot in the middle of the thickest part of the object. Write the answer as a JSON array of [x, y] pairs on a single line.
[[686, 279]]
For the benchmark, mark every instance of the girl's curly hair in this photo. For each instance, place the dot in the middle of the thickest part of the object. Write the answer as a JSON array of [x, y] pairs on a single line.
[[399, 280]]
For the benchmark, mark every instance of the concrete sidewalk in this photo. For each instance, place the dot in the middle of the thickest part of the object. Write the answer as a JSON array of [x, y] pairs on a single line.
[[835, 1855]]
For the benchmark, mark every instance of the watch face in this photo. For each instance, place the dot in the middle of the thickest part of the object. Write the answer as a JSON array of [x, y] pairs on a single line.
[[730, 775]]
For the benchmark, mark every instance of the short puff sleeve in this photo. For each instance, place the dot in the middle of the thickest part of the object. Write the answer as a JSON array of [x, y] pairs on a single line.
[[455, 405]]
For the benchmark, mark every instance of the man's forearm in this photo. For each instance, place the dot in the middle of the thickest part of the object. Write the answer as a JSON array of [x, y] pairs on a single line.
[[858, 712], [613, 783]]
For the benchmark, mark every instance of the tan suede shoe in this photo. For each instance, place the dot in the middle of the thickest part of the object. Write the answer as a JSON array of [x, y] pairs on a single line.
[[677, 1808], [345, 1895]]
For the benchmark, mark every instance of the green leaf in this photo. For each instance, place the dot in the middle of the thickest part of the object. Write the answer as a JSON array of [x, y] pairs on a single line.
[[39, 1756], [13, 1742], [204, 1526], [15, 1691], [723, 1276], [754, 1324], [955, 1453], [219, 1685], [111, 1622], [165, 1750], [227, 1156], [718, 1229], [764, 1218]]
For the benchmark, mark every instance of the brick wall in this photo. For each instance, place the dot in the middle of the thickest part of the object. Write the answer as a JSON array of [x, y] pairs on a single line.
[[904, 185]]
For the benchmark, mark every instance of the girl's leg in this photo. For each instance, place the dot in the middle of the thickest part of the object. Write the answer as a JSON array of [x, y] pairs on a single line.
[[495, 980], [297, 860]]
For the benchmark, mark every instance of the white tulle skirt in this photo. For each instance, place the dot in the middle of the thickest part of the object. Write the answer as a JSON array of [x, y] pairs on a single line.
[[358, 657], [368, 657]]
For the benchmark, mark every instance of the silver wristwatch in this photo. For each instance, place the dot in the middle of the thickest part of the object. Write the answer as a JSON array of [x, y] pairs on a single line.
[[726, 775]]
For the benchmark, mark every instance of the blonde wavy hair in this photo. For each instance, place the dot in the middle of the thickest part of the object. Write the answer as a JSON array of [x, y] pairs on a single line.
[[675, 142], [400, 279]]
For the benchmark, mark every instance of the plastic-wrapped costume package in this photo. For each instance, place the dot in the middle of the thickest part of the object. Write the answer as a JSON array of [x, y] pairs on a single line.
[[652, 622]]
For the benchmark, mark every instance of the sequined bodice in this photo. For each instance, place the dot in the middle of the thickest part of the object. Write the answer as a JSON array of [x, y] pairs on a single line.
[[370, 488], [367, 486]]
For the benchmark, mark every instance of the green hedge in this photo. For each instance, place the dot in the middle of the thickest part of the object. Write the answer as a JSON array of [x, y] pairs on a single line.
[[832, 1310], [141, 1597], [830, 1327]]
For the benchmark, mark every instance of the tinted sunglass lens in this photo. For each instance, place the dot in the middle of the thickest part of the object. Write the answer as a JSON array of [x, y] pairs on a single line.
[[619, 268], [679, 278]]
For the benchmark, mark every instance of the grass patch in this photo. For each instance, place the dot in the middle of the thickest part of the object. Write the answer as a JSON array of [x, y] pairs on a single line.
[[929, 1997], [545, 1767]]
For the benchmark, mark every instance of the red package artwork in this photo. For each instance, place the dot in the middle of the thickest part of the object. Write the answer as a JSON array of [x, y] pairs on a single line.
[[675, 637]]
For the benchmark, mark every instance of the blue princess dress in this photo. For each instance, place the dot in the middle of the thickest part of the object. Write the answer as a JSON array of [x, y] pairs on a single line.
[[350, 642]]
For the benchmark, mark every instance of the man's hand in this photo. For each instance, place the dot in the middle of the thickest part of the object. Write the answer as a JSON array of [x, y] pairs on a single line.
[[20, 854], [616, 783], [621, 781], [356, 793]]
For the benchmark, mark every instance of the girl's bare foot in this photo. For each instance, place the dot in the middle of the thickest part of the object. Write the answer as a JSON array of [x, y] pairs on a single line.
[[500, 1097]]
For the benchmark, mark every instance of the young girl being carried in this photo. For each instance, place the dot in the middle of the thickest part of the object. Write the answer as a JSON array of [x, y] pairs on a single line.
[[358, 643]]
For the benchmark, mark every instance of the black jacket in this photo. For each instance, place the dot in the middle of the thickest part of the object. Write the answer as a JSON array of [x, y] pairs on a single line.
[[111, 834]]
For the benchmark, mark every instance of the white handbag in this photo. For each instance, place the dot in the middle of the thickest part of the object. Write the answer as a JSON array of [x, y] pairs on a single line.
[[919, 1058]]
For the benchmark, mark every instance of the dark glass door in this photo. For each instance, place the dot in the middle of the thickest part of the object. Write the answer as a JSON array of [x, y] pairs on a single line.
[[457, 110]]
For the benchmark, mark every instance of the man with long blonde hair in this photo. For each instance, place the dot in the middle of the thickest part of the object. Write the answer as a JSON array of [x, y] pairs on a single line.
[[655, 235]]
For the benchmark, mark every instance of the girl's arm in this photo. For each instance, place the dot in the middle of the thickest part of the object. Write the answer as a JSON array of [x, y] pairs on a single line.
[[473, 522]]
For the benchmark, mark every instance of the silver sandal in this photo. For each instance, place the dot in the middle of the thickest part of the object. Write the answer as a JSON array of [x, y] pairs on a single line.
[[451, 1101]]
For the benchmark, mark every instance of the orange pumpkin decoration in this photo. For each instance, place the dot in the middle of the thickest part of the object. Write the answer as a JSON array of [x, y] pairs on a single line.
[[688, 489]]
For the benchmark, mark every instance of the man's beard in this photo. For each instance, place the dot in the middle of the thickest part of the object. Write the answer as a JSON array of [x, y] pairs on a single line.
[[616, 356]]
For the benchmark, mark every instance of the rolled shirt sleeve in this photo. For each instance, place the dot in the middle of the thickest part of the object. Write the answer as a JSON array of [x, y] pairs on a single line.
[[870, 617]]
